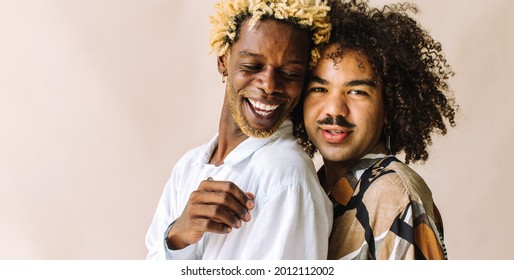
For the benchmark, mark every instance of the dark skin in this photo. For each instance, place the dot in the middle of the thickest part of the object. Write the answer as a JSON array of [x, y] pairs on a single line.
[[267, 66]]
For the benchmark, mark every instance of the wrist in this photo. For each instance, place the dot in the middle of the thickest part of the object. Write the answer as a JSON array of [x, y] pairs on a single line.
[[172, 240]]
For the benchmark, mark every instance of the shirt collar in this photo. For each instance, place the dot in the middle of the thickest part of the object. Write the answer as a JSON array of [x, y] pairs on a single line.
[[246, 148], [344, 188], [364, 163], [353, 175]]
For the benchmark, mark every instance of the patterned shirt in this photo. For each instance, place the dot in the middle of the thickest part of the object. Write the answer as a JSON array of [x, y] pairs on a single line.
[[384, 210]]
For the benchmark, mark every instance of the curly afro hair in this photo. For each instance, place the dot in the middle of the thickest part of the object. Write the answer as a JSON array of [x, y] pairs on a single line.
[[411, 66]]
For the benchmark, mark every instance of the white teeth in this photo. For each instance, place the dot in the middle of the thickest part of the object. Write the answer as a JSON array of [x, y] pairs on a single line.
[[266, 109], [262, 113], [334, 131]]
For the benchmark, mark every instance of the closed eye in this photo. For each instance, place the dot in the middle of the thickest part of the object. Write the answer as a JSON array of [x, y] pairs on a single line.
[[292, 75], [251, 67]]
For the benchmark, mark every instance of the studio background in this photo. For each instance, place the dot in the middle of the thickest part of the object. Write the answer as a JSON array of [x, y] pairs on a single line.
[[100, 98]]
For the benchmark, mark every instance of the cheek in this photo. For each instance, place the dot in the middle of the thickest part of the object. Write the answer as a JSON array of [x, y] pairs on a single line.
[[374, 122], [295, 93], [295, 100], [309, 112], [237, 81]]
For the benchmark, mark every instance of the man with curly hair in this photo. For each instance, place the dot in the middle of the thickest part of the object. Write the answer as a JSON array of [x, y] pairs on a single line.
[[251, 192], [380, 88]]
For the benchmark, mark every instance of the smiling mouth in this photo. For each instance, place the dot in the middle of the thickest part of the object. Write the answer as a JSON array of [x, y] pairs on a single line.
[[262, 109]]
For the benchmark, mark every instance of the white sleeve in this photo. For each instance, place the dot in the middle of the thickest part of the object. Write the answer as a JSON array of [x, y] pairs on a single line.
[[292, 224], [163, 217]]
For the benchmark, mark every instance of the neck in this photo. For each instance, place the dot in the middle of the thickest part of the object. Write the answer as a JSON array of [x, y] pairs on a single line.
[[229, 135], [334, 170]]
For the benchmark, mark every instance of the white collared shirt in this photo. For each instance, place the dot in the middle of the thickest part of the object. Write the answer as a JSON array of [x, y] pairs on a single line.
[[292, 217]]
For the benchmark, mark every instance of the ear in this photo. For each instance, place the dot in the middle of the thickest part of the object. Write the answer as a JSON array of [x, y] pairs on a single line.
[[222, 65]]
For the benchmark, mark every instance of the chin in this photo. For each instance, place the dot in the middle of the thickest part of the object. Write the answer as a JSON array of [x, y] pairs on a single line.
[[336, 154], [262, 132], [257, 133]]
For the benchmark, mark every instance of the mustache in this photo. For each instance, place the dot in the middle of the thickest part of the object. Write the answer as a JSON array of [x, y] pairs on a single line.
[[339, 121]]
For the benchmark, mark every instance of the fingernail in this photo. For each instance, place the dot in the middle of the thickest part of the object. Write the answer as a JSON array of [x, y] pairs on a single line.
[[229, 229], [239, 224], [247, 216], [249, 204]]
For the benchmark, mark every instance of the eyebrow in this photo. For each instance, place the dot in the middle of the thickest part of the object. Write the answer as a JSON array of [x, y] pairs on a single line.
[[250, 54], [365, 82], [255, 55], [318, 80]]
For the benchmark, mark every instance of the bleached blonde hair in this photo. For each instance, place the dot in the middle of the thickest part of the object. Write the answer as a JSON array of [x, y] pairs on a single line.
[[310, 15]]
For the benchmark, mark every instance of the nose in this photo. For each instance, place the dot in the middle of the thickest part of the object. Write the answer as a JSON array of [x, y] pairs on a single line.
[[336, 104], [269, 82]]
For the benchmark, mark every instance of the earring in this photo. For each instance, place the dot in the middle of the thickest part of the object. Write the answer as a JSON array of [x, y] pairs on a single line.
[[387, 138], [388, 143], [223, 78]]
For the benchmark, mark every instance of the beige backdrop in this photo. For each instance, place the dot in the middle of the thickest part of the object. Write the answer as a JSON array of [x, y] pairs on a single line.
[[99, 99]]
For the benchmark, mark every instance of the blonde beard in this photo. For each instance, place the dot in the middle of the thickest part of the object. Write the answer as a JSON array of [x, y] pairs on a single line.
[[235, 104]]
